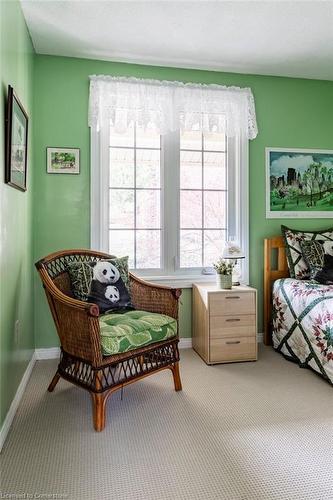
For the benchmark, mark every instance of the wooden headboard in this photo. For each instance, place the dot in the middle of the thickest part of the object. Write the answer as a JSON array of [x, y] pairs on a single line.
[[275, 267]]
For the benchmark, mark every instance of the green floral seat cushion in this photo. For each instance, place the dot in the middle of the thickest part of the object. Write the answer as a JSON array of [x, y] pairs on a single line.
[[134, 329]]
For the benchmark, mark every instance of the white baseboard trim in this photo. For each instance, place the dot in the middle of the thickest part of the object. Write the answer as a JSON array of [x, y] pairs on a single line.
[[16, 401], [47, 353], [185, 343]]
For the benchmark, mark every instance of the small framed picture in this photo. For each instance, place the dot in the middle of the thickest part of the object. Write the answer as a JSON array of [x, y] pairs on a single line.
[[16, 142], [63, 160]]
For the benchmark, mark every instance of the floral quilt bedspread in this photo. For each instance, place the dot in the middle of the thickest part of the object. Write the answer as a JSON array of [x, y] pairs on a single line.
[[303, 323]]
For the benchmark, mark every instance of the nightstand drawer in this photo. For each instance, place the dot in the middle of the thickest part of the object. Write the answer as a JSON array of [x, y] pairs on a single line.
[[224, 323], [231, 303], [233, 349], [232, 326]]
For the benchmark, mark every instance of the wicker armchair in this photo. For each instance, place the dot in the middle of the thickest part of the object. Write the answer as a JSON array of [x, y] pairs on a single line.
[[77, 324]]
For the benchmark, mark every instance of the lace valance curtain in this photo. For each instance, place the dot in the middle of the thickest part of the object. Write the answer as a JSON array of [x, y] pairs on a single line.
[[169, 106]]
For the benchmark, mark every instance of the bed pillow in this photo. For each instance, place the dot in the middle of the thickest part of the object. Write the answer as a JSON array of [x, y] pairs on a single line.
[[81, 275], [325, 275], [313, 253], [319, 257], [298, 267]]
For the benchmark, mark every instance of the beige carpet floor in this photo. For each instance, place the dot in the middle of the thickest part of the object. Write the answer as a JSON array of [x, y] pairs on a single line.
[[240, 431]]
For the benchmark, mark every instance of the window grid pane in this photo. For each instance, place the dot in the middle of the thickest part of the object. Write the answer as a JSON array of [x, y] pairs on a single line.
[[203, 216], [134, 178]]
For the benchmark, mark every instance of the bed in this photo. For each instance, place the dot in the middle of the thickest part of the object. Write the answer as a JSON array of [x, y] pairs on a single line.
[[298, 314]]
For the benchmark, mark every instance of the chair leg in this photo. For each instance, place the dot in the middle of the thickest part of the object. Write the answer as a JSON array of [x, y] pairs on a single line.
[[176, 376], [141, 360], [53, 382], [98, 401]]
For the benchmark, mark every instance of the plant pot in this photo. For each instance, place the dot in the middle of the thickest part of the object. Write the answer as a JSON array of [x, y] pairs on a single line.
[[224, 281]]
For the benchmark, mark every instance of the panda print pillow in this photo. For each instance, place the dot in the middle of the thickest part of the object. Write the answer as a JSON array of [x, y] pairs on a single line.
[[107, 288], [111, 273]]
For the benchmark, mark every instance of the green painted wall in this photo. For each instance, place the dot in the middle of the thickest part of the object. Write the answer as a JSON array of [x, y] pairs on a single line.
[[290, 112], [16, 291]]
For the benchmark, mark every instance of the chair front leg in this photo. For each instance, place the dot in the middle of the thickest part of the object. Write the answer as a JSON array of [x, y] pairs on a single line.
[[176, 376], [54, 382], [99, 405]]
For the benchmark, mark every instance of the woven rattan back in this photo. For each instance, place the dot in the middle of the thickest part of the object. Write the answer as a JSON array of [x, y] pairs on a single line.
[[76, 322], [57, 263], [63, 282]]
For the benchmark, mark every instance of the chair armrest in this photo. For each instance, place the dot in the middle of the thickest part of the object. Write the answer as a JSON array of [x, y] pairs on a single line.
[[75, 304], [151, 297], [77, 324]]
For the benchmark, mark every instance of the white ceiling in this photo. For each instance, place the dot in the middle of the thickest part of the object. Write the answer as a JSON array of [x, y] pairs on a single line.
[[284, 38]]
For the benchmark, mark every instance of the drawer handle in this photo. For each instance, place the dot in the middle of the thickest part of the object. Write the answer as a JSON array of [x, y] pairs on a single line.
[[233, 319], [233, 297], [233, 342]]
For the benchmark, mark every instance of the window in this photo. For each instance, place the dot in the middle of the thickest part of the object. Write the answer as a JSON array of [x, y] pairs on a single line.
[[203, 198], [135, 197], [172, 200], [169, 199]]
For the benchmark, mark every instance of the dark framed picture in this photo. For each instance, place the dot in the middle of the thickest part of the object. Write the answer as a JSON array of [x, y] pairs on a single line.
[[16, 142], [63, 160]]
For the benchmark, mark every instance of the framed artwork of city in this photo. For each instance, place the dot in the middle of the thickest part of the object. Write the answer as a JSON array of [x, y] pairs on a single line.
[[299, 183]]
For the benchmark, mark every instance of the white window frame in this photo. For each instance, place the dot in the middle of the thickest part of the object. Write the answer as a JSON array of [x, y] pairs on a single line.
[[238, 225]]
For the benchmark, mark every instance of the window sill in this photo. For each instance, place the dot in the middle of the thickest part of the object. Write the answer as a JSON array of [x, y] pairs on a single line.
[[180, 281]]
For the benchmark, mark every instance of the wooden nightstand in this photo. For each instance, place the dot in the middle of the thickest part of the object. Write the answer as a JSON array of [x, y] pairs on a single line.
[[225, 323]]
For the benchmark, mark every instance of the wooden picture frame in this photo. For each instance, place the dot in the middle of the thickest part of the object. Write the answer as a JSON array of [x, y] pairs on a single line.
[[62, 160], [16, 142]]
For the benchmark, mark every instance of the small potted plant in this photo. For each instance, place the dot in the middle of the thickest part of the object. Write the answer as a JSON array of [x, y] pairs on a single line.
[[223, 270]]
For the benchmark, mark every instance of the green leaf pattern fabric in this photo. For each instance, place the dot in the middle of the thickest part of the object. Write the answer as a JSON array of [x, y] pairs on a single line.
[[302, 318], [298, 268], [133, 329], [81, 275]]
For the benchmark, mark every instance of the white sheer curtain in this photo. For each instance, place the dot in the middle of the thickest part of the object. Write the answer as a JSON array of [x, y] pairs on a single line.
[[169, 106]]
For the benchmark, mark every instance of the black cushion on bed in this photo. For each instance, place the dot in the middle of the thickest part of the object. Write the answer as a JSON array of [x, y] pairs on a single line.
[[325, 275]]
